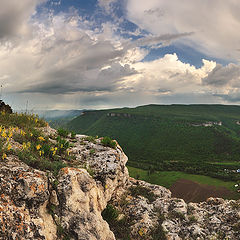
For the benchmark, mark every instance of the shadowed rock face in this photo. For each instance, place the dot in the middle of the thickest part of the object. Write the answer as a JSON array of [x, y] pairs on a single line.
[[33, 206], [4, 107]]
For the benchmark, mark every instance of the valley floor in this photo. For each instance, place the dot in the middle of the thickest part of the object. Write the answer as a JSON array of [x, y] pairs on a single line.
[[190, 187]]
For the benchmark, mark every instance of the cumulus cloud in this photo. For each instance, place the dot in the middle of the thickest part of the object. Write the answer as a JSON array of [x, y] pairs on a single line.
[[170, 75], [214, 23]]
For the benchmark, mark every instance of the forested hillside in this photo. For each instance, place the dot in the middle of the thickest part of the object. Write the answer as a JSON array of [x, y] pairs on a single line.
[[202, 139]]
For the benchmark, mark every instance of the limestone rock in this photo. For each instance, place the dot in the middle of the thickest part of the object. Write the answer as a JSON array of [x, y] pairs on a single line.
[[23, 200]]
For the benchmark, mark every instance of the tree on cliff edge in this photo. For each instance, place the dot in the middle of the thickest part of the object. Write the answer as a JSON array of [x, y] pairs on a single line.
[[5, 107]]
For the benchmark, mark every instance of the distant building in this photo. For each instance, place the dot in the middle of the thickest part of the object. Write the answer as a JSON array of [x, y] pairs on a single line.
[[207, 124]]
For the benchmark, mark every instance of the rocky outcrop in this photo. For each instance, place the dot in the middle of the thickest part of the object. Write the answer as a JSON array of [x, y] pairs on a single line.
[[23, 200], [38, 205]]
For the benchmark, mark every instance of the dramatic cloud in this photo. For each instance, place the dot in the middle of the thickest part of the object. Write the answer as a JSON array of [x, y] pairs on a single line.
[[66, 60], [169, 75], [215, 23], [14, 15], [224, 75]]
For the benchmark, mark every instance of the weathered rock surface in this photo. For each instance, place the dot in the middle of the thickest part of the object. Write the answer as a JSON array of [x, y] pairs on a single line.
[[37, 205], [23, 199]]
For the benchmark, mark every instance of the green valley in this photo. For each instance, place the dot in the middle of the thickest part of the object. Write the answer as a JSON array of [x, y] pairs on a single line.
[[196, 139]]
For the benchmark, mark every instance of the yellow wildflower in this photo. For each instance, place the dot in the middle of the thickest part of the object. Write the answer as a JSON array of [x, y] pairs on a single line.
[[9, 147], [31, 134], [61, 146], [4, 134], [41, 138], [38, 146], [24, 146], [4, 156], [142, 231], [22, 133]]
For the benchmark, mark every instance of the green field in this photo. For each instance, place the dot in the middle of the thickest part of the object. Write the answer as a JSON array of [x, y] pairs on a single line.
[[172, 137], [167, 179]]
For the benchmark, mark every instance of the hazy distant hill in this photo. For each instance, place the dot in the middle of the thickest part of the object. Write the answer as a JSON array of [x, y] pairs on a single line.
[[58, 118], [201, 139], [56, 114]]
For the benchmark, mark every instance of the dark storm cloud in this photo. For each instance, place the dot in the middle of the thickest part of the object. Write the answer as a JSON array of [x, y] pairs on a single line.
[[72, 81], [223, 75], [60, 88]]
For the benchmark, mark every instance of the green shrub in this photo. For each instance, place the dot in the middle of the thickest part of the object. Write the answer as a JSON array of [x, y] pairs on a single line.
[[108, 142], [110, 213], [90, 139], [63, 132], [63, 144], [92, 151], [192, 219], [73, 134], [33, 160], [120, 228]]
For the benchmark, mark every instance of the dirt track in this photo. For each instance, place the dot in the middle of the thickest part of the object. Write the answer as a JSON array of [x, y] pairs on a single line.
[[195, 192]]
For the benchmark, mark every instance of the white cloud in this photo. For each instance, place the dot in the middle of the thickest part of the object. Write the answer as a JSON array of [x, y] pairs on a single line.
[[62, 61], [215, 23], [106, 4], [169, 75]]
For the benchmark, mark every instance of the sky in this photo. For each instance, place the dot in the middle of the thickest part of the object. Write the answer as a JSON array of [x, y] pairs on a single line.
[[93, 54]]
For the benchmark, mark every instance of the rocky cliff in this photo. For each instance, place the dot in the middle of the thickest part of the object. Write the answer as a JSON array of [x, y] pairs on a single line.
[[70, 204]]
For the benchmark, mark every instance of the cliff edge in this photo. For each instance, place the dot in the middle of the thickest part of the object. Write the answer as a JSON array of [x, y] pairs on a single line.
[[93, 184]]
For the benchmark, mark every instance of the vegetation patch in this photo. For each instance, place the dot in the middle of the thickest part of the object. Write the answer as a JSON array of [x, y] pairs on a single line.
[[142, 191], [108, 142], [90, 139], [120, 228], [158, 233], [63, 132], [33, 147]]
